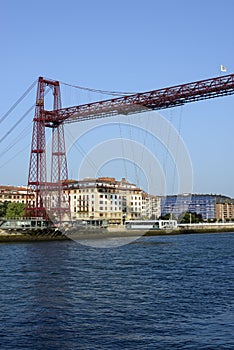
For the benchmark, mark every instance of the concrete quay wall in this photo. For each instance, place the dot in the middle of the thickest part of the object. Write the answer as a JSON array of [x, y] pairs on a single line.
[[205, 227]]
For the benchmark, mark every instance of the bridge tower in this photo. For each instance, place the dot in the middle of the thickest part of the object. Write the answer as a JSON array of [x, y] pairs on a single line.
[[49, 197]]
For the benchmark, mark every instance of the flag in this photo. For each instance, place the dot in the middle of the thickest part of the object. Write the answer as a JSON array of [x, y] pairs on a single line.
[[222, 68]]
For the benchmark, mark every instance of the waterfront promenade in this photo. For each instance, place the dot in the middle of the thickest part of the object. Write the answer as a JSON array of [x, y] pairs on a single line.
[[50, 234]]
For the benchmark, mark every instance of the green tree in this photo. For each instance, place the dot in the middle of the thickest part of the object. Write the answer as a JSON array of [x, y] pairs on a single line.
[[168, 216], [3, 208], [15, 210], [187, 217]]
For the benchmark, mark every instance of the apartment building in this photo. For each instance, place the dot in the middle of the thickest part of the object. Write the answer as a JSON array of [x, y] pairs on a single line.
[[106, 198], [16, 194], [210, 206], [225, 209], [151, 208]]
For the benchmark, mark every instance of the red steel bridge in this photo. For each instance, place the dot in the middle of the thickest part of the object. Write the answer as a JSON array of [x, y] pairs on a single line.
[[55, 119]]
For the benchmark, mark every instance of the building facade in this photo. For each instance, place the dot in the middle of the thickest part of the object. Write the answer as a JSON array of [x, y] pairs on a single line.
[[208, 205], [15, 194], [151, 206], [225, 209], [110, 200], [113, 201]]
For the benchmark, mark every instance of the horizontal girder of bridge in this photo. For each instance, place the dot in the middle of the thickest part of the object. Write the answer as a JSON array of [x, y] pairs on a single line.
[[140, 102]]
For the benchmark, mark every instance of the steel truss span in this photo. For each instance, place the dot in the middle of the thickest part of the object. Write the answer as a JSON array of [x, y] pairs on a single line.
[[154, 100], [55, 118]]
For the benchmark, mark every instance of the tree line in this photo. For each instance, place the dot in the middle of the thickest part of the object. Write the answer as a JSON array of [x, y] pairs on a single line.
[[11, 210], [189, 217], [184, 218]]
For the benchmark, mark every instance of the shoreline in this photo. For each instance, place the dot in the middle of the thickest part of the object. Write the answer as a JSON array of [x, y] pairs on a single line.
[[49, 235]]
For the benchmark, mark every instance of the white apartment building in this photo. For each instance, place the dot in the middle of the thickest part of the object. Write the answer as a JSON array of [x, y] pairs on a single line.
[[111, 200], [17, 194], [151, 206]]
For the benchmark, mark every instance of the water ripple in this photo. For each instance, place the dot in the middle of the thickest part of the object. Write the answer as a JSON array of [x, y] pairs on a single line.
[[171, 292]]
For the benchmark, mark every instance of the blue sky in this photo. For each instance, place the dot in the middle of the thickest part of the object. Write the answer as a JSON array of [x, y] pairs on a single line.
[[124, 45]]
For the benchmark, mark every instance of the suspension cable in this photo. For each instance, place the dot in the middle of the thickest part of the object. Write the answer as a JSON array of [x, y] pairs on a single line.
[[146, 133], [14, 156], [20, 137], [84, 154], [104, 92], [165, 162], [20, 120], [177, 146], [133, 153], [122, 149], [17, 123], [17, 102]]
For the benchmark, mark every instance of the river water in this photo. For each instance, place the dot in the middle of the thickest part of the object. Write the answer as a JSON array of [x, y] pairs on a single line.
[[170, 292]]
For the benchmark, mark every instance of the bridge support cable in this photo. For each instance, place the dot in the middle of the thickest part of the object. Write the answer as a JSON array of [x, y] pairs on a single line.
[[122, 149], [167, 147], [177, 150], [84, 154], [25, 132], [99, 91], [14, 156], [16, 124], [18, 101], [137, 181]]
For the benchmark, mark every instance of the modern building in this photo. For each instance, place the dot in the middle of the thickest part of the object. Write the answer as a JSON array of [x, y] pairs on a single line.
[[208, 205]]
